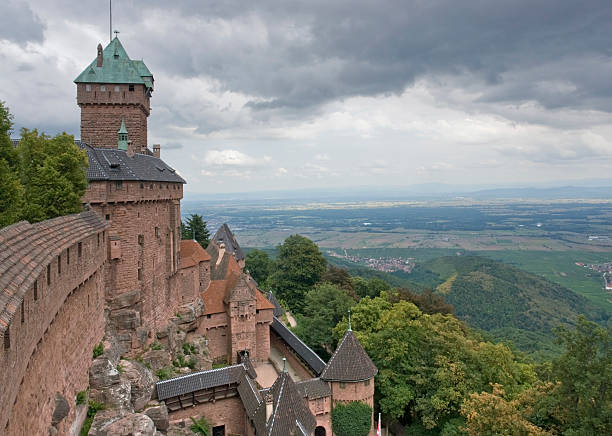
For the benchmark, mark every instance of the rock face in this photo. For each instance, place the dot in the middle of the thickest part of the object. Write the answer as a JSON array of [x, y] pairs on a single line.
[[141, 381], [136, 424], [108, 387], [156, 359], [159, 415], [62, 409]]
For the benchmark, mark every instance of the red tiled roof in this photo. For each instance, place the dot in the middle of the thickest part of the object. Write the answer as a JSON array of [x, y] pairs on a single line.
[[25, 249], [192, 254]]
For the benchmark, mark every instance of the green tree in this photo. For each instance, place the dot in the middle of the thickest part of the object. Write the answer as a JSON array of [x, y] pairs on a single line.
[[429, 363], [369, 288], [352, 419], [299, 267], [195, 225], [585, 372], [428, 302], [52, 173], [339, 277], [325, 305], [259, 265], [11, 191], [7, 151]]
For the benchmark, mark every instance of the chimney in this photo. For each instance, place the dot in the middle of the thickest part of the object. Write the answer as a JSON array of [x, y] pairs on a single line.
[[156, 150], [99, 64], [130, 149]]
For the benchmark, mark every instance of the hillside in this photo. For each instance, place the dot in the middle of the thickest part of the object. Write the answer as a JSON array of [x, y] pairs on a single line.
[[505, 301]]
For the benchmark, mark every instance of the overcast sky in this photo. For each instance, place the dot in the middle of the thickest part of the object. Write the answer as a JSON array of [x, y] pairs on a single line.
[[277, 94]]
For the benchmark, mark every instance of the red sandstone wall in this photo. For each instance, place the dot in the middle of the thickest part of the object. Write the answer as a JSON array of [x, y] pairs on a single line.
[[204, 275], [44, 358], [229, 411], [189, 283], [102, 112], [216, 331], [263, 341], [145, 218], [321, 409], [295, 363]]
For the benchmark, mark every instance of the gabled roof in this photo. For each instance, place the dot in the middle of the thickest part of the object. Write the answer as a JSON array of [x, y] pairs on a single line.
[[225, 235], [192, 254], [199, 380], [114, 164], [25, 249], [350, 362], [311, 358], [117, 67], [290, 413], [313, 388]]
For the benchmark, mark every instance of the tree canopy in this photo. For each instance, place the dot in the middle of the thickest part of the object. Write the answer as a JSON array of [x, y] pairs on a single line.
[[259, 265], [299, 267], [43, 177], [194, 227]]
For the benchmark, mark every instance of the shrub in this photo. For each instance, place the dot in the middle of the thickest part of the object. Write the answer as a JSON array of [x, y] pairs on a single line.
[[200, 426], [164, 373], [94, 407], [98, 350], [352, 419], [156, 346], [81, 398]]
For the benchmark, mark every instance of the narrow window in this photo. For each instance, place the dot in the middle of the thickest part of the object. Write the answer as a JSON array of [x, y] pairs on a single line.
[[35, 290], [68, 256], [139, 273], [116, 89], [99, 238], [102, 88], [22, 311], [157, 232], [141, 240], [7, 338], [107, 217], [80, 249], [59, 265], [118, 185], [49, 275], [88, 88], [142, 186], [104, 236], [131, 88], [366, 383], [151, 186], [342, 385]]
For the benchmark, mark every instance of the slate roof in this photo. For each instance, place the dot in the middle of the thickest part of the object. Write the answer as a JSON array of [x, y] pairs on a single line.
[[25, 249], [225, 235], [290, 413], [350, 362], [114, 164], [196, 381], [250, 396], [278, 309], [117, 67], [302, 350], [313, 388]]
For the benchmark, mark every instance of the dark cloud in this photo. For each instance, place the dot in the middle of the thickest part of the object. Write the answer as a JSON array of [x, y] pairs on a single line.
[[18, 23]]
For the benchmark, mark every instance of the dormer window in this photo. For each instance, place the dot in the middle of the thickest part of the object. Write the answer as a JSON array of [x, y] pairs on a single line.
[[88, 88]]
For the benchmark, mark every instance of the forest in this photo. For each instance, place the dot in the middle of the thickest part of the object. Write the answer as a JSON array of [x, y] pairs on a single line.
[[439, 374]]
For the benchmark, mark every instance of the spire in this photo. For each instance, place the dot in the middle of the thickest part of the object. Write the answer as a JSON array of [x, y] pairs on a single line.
[[349, 316], [350, 362], [122, 137]]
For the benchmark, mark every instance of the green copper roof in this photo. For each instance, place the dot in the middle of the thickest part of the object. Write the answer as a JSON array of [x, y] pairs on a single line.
[[117, 67], [122, 129]]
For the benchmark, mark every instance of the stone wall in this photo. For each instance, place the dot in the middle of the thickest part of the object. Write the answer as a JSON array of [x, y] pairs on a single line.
[[228, 411], [141, 288], [289, 354], [321, 409], [263, 338], [52, 344], [102, 112], [359, 391]]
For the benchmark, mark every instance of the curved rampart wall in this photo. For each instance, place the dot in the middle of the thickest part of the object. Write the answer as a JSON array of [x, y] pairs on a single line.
[[51, 316]]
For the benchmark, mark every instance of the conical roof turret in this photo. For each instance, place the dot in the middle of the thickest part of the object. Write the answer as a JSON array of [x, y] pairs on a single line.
[[350, 362]]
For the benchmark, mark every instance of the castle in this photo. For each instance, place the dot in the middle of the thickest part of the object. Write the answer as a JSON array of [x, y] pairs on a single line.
[[120, 270]]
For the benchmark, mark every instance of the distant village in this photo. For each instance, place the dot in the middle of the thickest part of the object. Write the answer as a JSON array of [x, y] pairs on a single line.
[[604, 268], [385, 264]]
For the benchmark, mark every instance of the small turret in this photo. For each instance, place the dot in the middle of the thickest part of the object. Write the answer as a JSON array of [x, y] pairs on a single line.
[[100, 58], [122, 137]]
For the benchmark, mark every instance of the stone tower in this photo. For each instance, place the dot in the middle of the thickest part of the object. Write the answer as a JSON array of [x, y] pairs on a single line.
[[111, 89], [350, 373]]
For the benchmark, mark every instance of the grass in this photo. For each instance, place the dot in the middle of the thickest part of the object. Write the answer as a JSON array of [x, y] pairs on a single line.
[[164, 373], [94, 407], [98, 350]]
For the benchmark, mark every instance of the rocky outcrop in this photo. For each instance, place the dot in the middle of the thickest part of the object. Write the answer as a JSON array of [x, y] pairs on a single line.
[[106, 386], [156, 359], [136, 424], [142, 382], [159, 415], [62, 409]]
